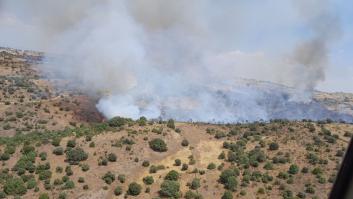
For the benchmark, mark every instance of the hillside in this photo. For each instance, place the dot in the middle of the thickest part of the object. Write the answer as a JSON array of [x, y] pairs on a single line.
[[54, 142]]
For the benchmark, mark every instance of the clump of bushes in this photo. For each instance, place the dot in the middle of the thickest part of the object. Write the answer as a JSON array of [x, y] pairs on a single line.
[[158, 145], [134, 189], [170, 189], [109, 177], [76, 155]]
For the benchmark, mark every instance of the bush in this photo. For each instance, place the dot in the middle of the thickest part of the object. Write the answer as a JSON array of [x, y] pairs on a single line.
[[171, 124], [134, 189], [195, 184], [121, 178], [56, 142], [62, 195], [172, 175], [274, 146], [2, 194], [170, 189], [293, 169], [5, 156], [184, 167], [71, 143], [69, 185], [69, 171], [177, 162], [148, 180], [185, 142], [31, 183], [44, 175], [112, 157], [43, 156], [109, 177], [211, 166], [15, 186], [58, 151], [158, 145], [146, 163], [75, 155], [226, 174], [84, 167], [117, 122], [231, 183], [227, 195], [118, 191], [43, 196]]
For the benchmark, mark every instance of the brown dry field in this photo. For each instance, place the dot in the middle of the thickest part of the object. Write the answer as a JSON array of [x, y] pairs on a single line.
[[29, 104]]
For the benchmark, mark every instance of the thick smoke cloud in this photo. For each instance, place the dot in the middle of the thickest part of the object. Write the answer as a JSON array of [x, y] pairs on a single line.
[[173, 58]]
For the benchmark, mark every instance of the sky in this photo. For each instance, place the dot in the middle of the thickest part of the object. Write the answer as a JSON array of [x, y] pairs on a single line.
[[254, 32]]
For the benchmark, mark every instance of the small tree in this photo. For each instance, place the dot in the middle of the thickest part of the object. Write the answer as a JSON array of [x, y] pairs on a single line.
[[172, 175], [185, 142], [273, 146], [118, 191], [293, 169], [109, 177], [158, 145], [112, 157], [195, 183], [227, 195], [15, 186], [75, 155], [148, 180], [171, 124], [134, 189], [170, 189], [177, 162]]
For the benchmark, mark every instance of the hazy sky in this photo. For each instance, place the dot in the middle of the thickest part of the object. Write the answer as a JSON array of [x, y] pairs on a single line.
[[261, 27]]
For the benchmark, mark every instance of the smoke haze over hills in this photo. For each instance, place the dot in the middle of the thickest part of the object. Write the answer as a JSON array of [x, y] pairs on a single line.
[[181, 59]]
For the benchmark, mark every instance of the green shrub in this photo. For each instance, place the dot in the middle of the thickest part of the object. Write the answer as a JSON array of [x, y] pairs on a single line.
[[185, 142], [31, 183], [231, 183], [148, 180], [5, 156], [293, 169], [172, 175], [56, 142], [134, 189], [58, 151], [273, 146], [118, 191], [112, 157], [158, 145], [43, 196], [14, 186], [84, 167], [146, 163], [171, 124], [43, 156], [75, 155], [69, 185], [211, 166], [170, 189], [121, 178], [117, 122], [227, 195], [109, 177], [195, 183], [71, 143], [177, 162], [44, 175]]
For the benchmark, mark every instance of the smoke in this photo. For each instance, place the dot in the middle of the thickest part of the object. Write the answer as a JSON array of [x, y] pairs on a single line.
[[179, 58], [310, 57]]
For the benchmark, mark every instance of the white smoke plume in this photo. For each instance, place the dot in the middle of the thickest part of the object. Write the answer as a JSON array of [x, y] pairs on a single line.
[[172, 58]]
